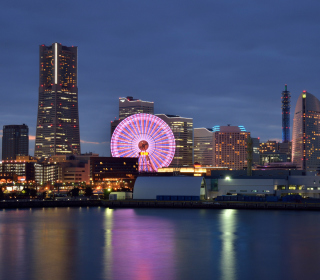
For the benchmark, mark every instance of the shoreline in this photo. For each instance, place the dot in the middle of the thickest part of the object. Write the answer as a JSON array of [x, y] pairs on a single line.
[[212, 205], [114, 204]]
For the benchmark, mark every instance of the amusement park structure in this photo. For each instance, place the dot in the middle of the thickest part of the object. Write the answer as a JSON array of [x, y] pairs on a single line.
[[147, 137]]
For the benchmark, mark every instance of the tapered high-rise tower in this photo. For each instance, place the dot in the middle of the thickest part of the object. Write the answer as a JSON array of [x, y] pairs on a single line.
[[58, 118], [306, 133], [285, 101]]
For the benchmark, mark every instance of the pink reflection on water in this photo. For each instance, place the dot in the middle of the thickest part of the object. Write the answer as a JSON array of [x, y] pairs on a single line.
[[138, 246]]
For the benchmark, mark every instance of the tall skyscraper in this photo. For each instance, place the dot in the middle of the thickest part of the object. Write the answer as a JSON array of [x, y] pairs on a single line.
[[15, 141], [129, 106], [285, 100], [182, 129], [58, 119], [306, 133], [230, 146], [203, 146]]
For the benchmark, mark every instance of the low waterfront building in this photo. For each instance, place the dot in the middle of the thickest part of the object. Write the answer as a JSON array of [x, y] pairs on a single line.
[[196, 170], [25, 171], [113, 172], [263, 182], [8, 177], [120, 195], [170, 188]]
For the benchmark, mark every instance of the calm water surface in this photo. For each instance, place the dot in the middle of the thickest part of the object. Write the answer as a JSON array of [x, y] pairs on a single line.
[[145, 244]]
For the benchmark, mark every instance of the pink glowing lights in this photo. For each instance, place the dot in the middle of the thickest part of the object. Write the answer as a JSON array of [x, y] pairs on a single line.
[[147, 137]]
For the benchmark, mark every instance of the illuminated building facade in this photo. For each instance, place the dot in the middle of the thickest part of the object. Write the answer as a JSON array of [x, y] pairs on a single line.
[[129, 106], [114, 172], [203, 146], [267, 158], [46, 173], [306, 133], [25, 171], [273, 151], [268, 147], [285, 101], [230, 146], [65, 169], [15, 141], [58, 119], [182, 129]]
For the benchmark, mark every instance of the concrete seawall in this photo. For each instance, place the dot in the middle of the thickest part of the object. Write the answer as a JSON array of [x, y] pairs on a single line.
[[210, 205], [13, 204]]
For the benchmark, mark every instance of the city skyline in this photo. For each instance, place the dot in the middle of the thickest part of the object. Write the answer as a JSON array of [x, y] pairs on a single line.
[[219, 64]]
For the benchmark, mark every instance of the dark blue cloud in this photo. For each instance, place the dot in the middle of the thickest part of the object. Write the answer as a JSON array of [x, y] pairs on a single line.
[[216, 61]]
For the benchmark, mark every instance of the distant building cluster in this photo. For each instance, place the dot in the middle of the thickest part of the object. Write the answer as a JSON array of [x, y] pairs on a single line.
[[146, 142]]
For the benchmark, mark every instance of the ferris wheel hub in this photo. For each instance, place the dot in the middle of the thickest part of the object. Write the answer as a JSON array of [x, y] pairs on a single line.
[[143, 145]]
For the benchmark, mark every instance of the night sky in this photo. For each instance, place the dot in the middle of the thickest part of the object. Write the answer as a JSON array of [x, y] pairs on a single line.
[[218, 62]]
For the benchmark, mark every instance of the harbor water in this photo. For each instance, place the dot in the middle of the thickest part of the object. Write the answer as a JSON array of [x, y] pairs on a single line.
[[146, 244]]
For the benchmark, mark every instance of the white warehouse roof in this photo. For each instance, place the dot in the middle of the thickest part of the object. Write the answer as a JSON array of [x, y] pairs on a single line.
[[150, 187]]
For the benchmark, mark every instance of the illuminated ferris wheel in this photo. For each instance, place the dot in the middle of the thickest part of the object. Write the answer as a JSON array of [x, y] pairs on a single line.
[[147, 137]]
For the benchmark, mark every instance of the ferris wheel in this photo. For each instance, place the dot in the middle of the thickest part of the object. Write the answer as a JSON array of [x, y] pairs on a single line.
[[147, 137]]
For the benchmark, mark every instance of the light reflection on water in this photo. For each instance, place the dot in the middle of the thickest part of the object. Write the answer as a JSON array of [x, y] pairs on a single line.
[[228, 239], [145, 244], [137, 247]]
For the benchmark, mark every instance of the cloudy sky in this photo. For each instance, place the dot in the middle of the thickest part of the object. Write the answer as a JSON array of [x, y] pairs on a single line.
[[219, 62]]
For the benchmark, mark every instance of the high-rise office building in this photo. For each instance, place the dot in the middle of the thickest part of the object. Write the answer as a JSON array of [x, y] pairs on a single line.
[[270, 146], [15, 141], [58, 119], [306, 133], [230, 146], [285, 101], [129, 106], [255, 151], [203, 146], [273, 151], [182, 129]]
